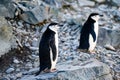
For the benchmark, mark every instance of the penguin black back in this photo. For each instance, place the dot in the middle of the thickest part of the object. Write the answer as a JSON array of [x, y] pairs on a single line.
[[87, 30], [47, 47]]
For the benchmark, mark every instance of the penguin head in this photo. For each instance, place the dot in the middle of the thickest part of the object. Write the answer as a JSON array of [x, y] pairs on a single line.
[[54, 27], [94, 16]]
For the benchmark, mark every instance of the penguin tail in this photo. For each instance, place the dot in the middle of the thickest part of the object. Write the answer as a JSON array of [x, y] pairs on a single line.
[[37, 73]]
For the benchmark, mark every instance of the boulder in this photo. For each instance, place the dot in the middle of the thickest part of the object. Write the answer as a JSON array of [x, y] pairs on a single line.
[[5, 36], [74, 70], [7, 8], [117, 2], [109, 36], [35, 15]]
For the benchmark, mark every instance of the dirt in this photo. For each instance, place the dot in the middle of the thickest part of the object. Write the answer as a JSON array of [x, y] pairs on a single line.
[[7, 59]]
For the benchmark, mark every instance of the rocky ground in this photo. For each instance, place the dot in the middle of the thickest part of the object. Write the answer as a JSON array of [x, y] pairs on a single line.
[[24, 59]]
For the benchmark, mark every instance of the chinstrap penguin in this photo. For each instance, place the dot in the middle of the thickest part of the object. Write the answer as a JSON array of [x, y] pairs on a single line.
[[89, 33], [48, 49]]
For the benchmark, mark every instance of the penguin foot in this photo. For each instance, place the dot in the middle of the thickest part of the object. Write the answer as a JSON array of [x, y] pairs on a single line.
[[46, 71], [92, 52], [50, 70], [53, 70]]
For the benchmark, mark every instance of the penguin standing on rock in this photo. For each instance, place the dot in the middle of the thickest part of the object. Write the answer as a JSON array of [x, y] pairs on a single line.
[[89, 33], [48, 49]]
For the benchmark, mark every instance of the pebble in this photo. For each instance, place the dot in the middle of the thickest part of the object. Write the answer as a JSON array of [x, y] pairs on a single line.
[[19, 75], [117, 68], [109, 47], [16, 61], [35, 42], [9, 70]]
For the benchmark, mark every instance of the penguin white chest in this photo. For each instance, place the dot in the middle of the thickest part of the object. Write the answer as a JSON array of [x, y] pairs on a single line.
[[56, 40], [56, 44], [96, 29], [92, 43]]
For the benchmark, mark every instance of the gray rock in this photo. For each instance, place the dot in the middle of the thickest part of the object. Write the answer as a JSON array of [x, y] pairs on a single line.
[[90, 70], [36, 15], [35, 42], [86, 3], [109, 47], [116, 15], [109, 36], [9, 70], [4, 78], [5, 36], [7, 8], [84, 56], [16, 61], [100, 1], [117, 2], [19, 75]]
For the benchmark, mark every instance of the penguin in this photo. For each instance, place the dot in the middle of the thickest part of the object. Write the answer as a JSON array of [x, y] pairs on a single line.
[[48, 49], [89, 33]]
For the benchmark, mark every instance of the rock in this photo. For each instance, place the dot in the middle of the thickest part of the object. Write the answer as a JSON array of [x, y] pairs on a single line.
[[116, 15], [109, 36], [34, 48], [117, 68], [5, 36], [84, 56], [9, 70], [117, 72], [100, 1], [19, 75], [35, 42], [50, 2], [109, 47], [117, 2], [29, 65], [16, 61], [86, 3], [4, 78], [36, 15], [90, 70], [7, 8]]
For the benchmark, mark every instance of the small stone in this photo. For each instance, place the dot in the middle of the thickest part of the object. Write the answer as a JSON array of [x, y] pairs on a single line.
[[35, 42], [100, 1], [4, 79], [18, 75], [20, 24], [34, 48], [18, 70], [86, 3], [109, 55], [29, 65], [9, 70], [16, 61], [117, 68], [109, 47]]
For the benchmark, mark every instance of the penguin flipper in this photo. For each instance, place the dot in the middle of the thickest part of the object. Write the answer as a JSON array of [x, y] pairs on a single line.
[[53, 47], [93, 34]]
